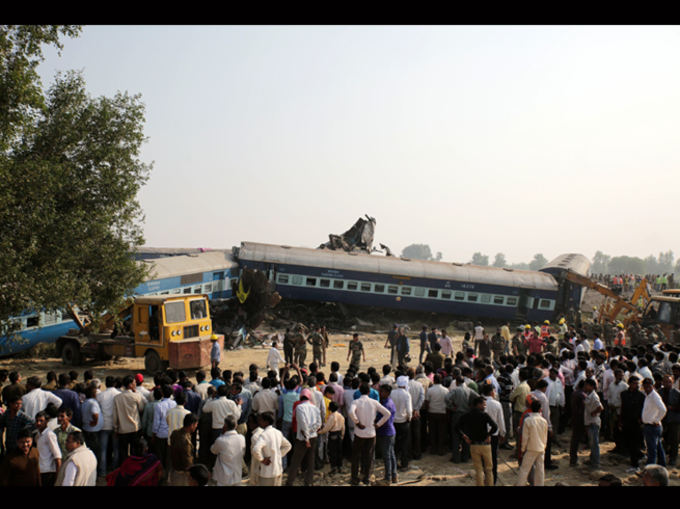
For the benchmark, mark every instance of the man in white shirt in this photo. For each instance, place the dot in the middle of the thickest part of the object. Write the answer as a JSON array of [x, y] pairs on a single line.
[[309, 422], [495, 411], [159, 441], [36, 400], [105, 400], [230, 447], [653, 412], [556, 401], [402, 420], [139, 380], [269, 449], [534, 441], [613, 399], [363, 413], [274, 358], [220, 409], [417, 392], [80, 464], [266, 400], [48, 448]]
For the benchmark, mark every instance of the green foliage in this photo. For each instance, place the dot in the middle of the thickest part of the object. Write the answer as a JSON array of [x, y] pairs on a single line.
[[69, 178], [600, 263], [480, 259], [418, 252], [21, 98], [626, 265], [500, 261], [538, 262]]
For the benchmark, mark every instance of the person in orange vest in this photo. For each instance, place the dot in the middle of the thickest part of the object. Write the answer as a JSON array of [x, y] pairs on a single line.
[[620, 336], [545, 329]]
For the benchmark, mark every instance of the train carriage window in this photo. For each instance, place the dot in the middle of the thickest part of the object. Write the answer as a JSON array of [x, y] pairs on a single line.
[[297, 280], [379, 288], [433, 294], [352, 285], [459, 296], [393, 290], [338, 284], [446, 295], [365, 287], [207, 288], [168, 293], [545, 304], [325, 283], [512, 301], [50, 318], [406, 290], [311, 281], [420, 292], [472, 297], [197, 289], [187, 290], [497, 299], [486, 298], [176, 290], [33, 321], [283, 279]]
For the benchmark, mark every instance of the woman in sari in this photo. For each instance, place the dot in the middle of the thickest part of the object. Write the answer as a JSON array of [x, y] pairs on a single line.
[[139, 469]]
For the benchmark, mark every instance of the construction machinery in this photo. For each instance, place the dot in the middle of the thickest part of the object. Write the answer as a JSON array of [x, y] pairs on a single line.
[[167, 330]]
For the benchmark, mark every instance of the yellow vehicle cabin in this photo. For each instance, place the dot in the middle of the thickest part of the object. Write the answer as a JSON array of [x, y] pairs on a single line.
[[168, 331]]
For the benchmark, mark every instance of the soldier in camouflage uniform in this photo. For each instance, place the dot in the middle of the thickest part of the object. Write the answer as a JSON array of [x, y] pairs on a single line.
[[300, 348], [497, 345], [356, 350], [660, 336], [316, 340], [608, 332]]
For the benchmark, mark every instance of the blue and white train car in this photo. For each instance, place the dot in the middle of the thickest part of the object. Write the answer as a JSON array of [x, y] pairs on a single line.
[[570, 293], [202, 273], [370, 280]]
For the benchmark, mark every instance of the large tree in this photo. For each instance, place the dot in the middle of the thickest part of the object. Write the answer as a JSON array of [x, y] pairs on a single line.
[[69, 177], [600, 263], [419, 252], [480, 259], [538, 262], [500, 261]]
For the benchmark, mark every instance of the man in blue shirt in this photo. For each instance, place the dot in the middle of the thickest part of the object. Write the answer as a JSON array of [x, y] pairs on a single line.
[[386, 435], [69, 399]]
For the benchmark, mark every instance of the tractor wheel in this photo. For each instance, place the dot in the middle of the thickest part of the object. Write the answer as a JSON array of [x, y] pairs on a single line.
[[70, 354], [152, 362]]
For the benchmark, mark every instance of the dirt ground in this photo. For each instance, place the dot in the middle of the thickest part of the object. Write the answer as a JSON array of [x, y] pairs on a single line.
[[431, 470]]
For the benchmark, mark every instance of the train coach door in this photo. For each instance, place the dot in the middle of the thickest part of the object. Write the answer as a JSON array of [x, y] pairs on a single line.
[[522, 306]]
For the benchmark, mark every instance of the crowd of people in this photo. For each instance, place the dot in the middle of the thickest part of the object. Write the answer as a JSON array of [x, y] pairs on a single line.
[[516, 392]]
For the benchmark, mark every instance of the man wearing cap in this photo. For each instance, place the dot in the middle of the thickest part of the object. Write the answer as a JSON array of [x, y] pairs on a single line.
[[402, 420], [139, 380], [215, 352]]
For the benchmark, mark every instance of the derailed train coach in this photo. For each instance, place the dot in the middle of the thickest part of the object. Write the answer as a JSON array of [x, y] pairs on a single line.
[[210, 273], [402, 283]]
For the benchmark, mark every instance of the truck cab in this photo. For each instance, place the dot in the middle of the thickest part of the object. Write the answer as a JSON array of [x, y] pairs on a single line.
[[167, 330]]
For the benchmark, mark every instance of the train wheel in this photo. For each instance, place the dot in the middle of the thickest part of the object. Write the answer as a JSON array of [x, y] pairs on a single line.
[[152, 362], [70, 354]]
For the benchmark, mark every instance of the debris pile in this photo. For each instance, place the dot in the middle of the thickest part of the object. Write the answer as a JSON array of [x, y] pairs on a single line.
[[358, 239]]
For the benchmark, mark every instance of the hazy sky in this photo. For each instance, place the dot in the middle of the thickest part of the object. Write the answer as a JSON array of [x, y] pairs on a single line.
[[513, 139]]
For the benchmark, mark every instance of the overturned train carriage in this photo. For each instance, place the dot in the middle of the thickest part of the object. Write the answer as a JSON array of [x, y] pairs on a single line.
[[370, 280]]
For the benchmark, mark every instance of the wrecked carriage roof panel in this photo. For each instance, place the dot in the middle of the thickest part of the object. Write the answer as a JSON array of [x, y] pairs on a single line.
[[162, 268], [568, 261], [340, 260]]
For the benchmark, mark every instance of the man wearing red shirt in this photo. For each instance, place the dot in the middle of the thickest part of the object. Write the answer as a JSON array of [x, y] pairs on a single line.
[[535, 344]]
